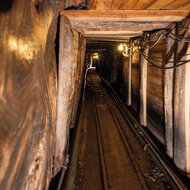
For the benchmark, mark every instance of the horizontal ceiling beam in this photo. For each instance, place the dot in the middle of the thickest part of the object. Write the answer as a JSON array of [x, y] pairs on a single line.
[[106, 36], [126, 15], [120, 25]]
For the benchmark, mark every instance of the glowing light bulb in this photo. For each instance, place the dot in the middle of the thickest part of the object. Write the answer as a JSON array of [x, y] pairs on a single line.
[[121, 47]]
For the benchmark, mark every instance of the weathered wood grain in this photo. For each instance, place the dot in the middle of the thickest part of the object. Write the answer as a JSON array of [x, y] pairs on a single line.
[[155, 88], [79, 77], [136, 4], [129, 67], [65, 90], [182, 107], [117, 26], [168, 96], [176, 4], [126, 15], [116, 4], [135, 82], [103, 4], [143, 90], [159, 4]]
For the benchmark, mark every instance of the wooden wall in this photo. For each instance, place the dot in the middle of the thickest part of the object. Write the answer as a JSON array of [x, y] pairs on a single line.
[[164, 95], [71, 66], [155, 87], [135, 81], [138, 4]]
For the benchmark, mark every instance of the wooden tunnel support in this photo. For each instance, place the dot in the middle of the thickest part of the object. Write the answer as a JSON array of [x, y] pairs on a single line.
[[143, 89], [67, 66], [182, 106], [168, 95], [129, 73]]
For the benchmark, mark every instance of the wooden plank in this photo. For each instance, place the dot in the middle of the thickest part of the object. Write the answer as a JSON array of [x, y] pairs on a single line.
[[168, 98], [128, 4], [126, 15], [113, 37], [185, 6], [103, 4], [109, 34], [170, 4], [64, 91], [83, 26], [115, 33], [176, 4], [138, 4], [182, 109], [129, 74], [116, 4], [74, 93], [143, 89], [79, 77], [159, 4]]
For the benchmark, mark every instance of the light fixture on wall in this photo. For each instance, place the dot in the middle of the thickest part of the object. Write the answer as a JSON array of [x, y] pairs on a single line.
[[123, 47], [95, 56]]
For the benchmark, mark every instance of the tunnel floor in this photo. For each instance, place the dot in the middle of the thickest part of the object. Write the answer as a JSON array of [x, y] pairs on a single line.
[[109, 155]]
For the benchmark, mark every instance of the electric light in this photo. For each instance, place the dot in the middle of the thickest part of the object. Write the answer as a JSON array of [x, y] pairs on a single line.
[[121, 47], [96, 56]]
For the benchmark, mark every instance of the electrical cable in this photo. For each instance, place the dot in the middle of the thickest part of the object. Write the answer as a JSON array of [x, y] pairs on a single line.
[[163, 67], [178, 37]]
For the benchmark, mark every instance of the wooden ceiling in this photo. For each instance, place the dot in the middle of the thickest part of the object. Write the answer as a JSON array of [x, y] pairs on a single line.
[[121, 19], [138, 4]]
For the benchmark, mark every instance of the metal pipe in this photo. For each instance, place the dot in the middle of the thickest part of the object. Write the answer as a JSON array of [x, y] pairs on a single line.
[[64, 168]]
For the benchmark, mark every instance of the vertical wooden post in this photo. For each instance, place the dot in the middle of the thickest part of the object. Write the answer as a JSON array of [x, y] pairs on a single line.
[[64, 91], [129, 74], [182, 107], [79, 75], [168, 95], [143, 89], [74, 93]]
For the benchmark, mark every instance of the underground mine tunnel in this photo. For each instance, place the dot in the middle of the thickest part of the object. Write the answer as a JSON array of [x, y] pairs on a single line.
[[94, 94]]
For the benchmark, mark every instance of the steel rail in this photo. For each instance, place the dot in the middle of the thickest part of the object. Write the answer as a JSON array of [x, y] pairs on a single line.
[[128, 147], [148, 143], [102, 158]]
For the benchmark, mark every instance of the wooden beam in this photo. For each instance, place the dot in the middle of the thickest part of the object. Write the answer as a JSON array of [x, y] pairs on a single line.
[[182, 107], [114, 37], [143, 89], [112, 34], [138, 4], [159, 4], [126, 15], [129, 74], [118, 25], [90, 39], [66, 52], [168, 96]]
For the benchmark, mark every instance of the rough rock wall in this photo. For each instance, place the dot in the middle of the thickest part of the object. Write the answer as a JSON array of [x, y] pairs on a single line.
[[28, 89]]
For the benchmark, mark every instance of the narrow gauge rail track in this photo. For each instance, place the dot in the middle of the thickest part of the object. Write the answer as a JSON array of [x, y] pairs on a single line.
[[108, 153], [177, 180], [134, 168]]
